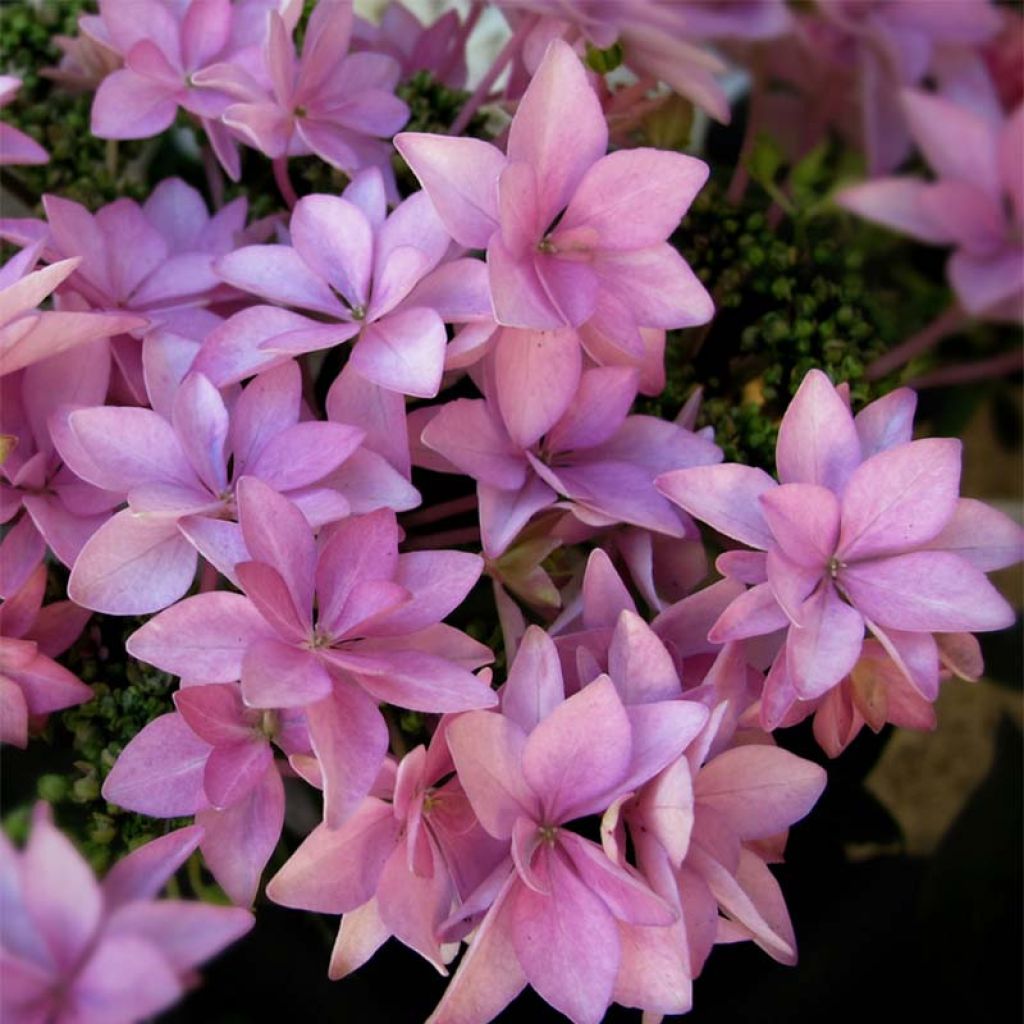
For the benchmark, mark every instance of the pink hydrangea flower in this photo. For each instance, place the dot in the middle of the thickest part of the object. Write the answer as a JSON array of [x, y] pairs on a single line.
[[214, 758], [865, 530], [975, 203], [32, 684], [334, 631], [76, 951], [16, 147], [401, 865]]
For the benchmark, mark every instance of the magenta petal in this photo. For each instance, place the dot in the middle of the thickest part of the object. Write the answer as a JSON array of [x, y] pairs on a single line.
[[160, 772], [303, 453], [933, 591], [818, 442], [824, 649], [725, 497], [337, 870], [488, 750], [567, 941], [269, 593], [518, 293], [639, 663], [753, 613], [350, 739], [202, 637], [580, 753], [240, 839], [534, 687], [900, 498]]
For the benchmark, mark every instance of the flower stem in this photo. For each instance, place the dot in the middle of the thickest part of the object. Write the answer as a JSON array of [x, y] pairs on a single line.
[[284, 183], [443, 538], [443, 510], [964, 373], [946, 323]]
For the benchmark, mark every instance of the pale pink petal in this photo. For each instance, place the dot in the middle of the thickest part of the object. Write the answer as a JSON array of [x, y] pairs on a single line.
[[133, 565], [818, 442], [240, 839], [503, 513], [361, 934], [279, 674], [900, 498], [403, 352], [303, 453], [639, 663], [334, 238], [725, 497], [129, 105], [534, 687], [160, 772], [143, 873], [520, 296], [804, 519], [279, 273], [886, 422], [350, 739], [203, 637], [982, 535], [233, 770], [461, 177], [826, 646], [894, 203], [753, 613]]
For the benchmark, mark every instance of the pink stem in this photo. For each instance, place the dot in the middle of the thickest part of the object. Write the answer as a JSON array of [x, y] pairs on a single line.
[[942, 326], [214, 177], [440, 511], [964, 373], [284, 183], [508, 51], [444, 538], [459, 43], [208, 578]]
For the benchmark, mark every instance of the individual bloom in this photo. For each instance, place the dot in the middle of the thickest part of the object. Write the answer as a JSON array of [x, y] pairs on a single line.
[[165, 47], [601, 459], [703, 832], [337, 105], [32, 684], [214, 758], [439, 48], [356, 269], [975, 204], [179, 476], [153, 261], [29, 334], [400, 866], [863, 530], [892, 45], [564, 224], [553, 908], [334, 631], [43, 502], [84, 62], [79, 952], [16, 147]]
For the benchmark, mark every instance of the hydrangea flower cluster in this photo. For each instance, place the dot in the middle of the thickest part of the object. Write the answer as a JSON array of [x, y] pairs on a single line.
[[228, 426]]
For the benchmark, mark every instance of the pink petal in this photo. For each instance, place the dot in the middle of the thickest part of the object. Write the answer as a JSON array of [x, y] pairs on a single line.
[[133, 565], [639, 663], [933, 591], [337, 870], [279, 273], [634, 198], [559, 128], [818, 441], [240, 839], [504, 513], [982, 535], [488, 751], [361, 934], [894, 203], [886, 422], [580, 753], [280, 675], [900, 498], [403, 352], [303, 453], [160, 772], [268, 405], [826, 646], [350, 740], [143, 873], [575, 977], [520, 296], [203, 637], [335, 239], [233, 770], [534, 687], [129, 105], [725, 497], [805, 521], [461, 177], [759, 790]]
